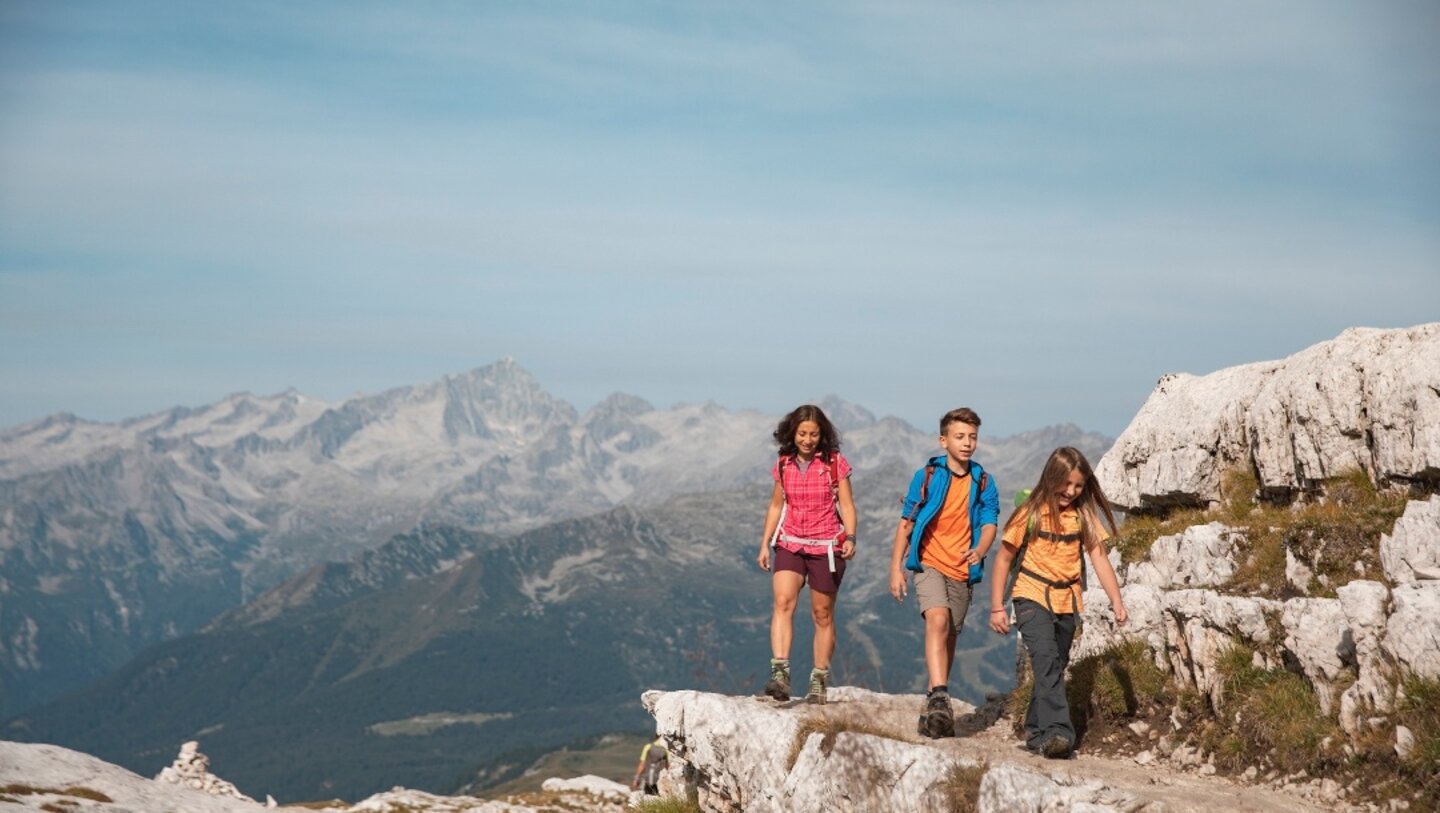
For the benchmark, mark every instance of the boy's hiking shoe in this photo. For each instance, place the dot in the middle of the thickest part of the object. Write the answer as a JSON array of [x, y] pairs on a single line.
[[778, 686], [1057, 747], [816, 693], [938, 719]]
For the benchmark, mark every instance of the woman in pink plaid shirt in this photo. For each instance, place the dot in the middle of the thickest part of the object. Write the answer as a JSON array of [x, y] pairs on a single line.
[[811, 524]]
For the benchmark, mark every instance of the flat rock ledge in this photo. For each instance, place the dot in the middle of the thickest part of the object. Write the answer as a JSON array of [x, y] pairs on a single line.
[[861, 752]]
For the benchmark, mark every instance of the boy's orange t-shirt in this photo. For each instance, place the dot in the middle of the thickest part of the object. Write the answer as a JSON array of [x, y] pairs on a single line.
[[946, 540], [1056, 561]]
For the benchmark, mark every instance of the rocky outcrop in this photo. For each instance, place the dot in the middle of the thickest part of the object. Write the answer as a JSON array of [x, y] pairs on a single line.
[[191, 769], [597, 786], [860, 752], [1412, 632], [48, 777], [1318, 637], [1365, 640], [1200, 556], [574, 794], [1411, 552], [737, 755], [1364, 604], [1368, 399]]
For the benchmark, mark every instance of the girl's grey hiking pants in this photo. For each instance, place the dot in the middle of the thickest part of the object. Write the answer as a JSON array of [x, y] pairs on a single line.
[[1047, 637]]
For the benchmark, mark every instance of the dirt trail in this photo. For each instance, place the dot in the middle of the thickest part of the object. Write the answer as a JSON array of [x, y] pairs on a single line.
[[1116, 781]]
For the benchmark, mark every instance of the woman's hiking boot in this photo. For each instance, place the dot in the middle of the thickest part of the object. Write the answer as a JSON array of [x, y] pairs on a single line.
[[778, 686], [816, 693], [938, 719]]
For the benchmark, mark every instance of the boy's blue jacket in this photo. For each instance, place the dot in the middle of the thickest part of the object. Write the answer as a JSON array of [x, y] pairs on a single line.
[[984, 508]]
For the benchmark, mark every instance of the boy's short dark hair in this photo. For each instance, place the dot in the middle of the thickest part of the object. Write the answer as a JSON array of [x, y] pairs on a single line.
[[961, 415]]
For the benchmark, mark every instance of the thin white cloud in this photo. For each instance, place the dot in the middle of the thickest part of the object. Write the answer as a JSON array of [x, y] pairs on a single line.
[[410, 190]]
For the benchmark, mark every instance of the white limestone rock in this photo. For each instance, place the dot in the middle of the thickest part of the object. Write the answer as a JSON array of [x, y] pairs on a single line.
[[50, 766], [1411, 551], [1404, 742], [589, 783], [742, 746], [1188, 431], [1011, 789], [895, 776], [1201, 624], [1412, 633], [1364, 603], [1144, 604], [1199, 556], [1318, 636], [405, 800], [1297, 573], [732, 752], [1092, 581], [1368, 399]]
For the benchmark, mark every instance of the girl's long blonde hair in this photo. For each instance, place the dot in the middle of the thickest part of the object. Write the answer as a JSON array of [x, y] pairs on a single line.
[[1045, 497]]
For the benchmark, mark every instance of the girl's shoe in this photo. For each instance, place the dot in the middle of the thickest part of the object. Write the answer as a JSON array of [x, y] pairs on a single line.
[[779, 685], [816, 692], [1056, 747]]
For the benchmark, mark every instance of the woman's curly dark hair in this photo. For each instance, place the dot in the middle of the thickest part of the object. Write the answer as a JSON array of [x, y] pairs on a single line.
[[785, 432]]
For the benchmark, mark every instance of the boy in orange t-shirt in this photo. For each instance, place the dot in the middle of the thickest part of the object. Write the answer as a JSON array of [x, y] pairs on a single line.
[[945, 530]]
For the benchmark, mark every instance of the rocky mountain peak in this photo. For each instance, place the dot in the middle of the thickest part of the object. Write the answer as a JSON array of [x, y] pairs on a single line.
[[621, 404], [497, 399], [846, 416]]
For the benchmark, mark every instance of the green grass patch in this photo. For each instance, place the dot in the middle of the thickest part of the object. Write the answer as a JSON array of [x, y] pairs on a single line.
[[1420, 712], [1329, 532], [1122, 683], [1139, 531], [1270, 717], [1118, 685], [668, 804]]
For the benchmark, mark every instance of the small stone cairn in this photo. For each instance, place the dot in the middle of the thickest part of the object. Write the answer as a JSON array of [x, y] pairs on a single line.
[[191, 769]]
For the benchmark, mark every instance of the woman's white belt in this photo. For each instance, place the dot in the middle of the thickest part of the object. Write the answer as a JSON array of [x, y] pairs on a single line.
[[828, 543]]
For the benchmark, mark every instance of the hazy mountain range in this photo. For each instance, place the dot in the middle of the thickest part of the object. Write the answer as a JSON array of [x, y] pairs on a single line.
[[369, 547], [416, 665]]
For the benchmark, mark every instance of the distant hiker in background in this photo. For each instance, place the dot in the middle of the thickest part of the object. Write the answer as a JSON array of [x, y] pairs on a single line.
[[1043, 541], [947, 524], [811, 525], [654, 759]]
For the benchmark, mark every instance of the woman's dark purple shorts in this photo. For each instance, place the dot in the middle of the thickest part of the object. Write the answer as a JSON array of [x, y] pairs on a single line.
[[815, 568]]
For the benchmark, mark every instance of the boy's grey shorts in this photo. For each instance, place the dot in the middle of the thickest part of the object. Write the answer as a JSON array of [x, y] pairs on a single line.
[[935, 589]]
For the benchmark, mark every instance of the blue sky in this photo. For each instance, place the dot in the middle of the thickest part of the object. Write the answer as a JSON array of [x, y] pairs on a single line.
[[1032, 209]]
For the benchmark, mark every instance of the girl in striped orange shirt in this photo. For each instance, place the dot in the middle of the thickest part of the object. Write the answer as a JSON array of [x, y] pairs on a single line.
[[1043, 542]]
